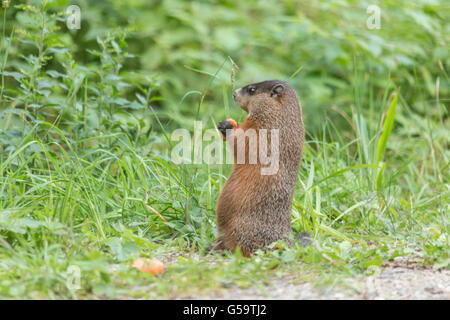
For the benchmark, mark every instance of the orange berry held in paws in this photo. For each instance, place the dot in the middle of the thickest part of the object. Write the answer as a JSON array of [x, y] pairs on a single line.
[[233, 122], [153, 266]]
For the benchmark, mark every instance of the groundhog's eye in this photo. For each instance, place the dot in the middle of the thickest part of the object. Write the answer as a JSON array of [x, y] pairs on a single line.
[[251, 90]]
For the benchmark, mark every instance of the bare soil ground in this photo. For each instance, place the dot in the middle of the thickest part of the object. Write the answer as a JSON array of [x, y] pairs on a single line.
[[391, 283], [401, 279]]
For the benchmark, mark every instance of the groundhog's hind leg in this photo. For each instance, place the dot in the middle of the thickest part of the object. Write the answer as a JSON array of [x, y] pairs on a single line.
[[221, 243], [218, 244], [246, 252]]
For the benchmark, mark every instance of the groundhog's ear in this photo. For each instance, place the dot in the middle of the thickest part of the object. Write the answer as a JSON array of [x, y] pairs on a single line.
[[277, 90]]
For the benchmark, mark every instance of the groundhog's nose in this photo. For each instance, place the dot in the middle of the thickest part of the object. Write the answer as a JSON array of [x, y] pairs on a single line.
[[236, 93]]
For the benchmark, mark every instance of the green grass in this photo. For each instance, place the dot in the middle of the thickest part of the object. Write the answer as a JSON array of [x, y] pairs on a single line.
[[85, 145]]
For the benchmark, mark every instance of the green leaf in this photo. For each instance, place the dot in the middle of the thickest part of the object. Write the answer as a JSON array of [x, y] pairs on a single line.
[[387, 128]]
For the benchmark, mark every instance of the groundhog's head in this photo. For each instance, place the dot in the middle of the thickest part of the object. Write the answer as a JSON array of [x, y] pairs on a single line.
[[263, 97]]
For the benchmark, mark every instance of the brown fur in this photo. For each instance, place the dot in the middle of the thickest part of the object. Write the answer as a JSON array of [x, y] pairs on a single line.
[[254, 210]]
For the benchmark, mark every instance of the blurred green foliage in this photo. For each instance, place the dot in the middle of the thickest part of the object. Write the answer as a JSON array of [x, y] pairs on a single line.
[[328, 40]]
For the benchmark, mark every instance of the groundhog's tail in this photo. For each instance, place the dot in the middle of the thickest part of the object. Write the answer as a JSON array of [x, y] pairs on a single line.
[[305, 239]]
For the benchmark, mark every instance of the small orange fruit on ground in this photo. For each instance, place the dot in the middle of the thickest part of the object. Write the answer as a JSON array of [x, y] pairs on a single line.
[[153, 266], [233, 122]]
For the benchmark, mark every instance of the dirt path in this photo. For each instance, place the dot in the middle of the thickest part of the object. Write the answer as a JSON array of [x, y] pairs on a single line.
[[402, 279], [391, 283]]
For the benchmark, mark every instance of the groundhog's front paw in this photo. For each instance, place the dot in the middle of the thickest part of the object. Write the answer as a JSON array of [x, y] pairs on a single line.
[[225, 125]]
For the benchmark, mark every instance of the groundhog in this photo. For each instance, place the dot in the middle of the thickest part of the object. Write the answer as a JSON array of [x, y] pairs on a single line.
[[254, 207]]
